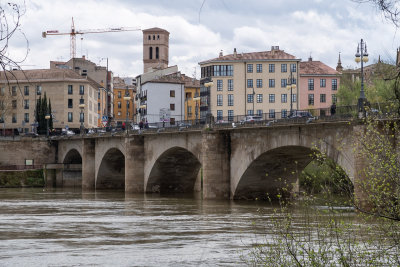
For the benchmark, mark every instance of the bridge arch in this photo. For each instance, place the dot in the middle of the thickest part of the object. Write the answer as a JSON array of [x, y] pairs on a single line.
[[111, 170], [73, 157], [261, 163], [174, 171]]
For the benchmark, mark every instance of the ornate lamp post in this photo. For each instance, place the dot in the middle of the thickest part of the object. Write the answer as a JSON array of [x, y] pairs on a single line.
[[127, 98], [82, 107], [290, 86], [47, 117], [208, 85], [363, 58], [196, 98]]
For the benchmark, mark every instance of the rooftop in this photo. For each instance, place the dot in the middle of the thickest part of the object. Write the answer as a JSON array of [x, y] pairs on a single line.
[[311, 67], [40, 75]]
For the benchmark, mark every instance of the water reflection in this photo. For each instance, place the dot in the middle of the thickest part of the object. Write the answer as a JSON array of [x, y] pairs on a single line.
[[108, 228]]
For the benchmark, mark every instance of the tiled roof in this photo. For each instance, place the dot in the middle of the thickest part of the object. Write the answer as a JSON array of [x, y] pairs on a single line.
[[40, 75], [171, 78], [155, 29], [264, 55], [316, 68]]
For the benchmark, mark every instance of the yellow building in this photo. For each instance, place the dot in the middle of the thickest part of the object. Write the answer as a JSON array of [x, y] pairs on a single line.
[[249, 83], [192, 98], [66, 90], [122, 106]]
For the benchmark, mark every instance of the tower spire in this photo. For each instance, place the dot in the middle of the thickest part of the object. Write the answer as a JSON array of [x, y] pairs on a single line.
[[339, 67]]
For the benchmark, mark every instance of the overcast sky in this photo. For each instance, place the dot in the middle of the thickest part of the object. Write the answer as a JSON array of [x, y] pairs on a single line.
[[322, 28]]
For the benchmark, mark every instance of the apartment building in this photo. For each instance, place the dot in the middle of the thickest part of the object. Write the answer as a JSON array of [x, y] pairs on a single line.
[[123, 109], [20, 90], [319, 85], [248, 83], [192, 98]]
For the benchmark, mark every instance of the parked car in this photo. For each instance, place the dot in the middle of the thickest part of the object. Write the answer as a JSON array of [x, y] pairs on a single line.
[[251, 118], [31, 134], [67, 132], [300, 114]]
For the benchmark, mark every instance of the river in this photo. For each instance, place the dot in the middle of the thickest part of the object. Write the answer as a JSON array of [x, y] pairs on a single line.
[[40, 227]]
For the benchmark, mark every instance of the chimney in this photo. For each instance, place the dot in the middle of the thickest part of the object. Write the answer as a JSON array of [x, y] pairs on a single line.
[[221, 54], [83, 57], [310, 59], [234, 52]]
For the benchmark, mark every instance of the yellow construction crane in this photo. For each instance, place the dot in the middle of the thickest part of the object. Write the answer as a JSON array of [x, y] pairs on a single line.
[[73, 34]]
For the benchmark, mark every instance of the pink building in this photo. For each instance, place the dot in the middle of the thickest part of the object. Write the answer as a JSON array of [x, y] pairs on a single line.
[[318, 85]]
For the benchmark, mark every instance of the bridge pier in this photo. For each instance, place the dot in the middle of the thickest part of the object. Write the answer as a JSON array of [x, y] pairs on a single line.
[[216, 148], [134, 164], [88, 164]]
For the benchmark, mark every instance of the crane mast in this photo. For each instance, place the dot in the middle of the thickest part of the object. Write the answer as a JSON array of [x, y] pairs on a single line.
[[73, 34]]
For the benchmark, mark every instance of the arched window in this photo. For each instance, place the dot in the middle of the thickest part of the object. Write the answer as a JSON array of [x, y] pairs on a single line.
[[157, 53], [151, 52], [149, 37], [154, 37], [158, 37]]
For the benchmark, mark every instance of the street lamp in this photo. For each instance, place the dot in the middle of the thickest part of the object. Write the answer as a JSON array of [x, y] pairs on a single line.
[[127, 98], [196, 98], [290, 86], [47, 117], [82, 107], [253, 100], [208, 85], [363, 58]]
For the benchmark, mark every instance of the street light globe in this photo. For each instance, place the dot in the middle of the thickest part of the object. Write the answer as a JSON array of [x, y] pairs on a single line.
[[294, 86], [288, 86], [81, 106], [357, 59], [365, 59], [47, 117], [127, 98], [209, 84]]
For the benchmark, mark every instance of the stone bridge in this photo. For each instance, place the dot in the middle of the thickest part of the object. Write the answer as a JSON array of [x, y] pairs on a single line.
[[231, 163]]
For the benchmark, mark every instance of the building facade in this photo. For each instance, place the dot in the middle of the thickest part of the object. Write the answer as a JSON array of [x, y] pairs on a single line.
[[64, 88], [248, 83], [192, 98], [123, 110], [319, 85]]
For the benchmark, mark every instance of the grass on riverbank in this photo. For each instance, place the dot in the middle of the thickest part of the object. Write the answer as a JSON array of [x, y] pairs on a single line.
[[28, 178]]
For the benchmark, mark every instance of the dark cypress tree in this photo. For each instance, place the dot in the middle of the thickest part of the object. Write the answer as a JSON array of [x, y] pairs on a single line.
[[51, 116]]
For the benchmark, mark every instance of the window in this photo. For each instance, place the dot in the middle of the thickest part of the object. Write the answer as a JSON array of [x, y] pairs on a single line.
[[26, 117], [322, 82], [2, 119], [311, 99], [98, 106], [271, 83], [230, 100], [259, 112], [38, 89], [310, 84], [334, 98], [230, 115], [81, 117], [14, 104], [157, 53], [294, 81], [26, 104], [128, 104], [293, 67], [26, 90], [172, 93], [151, 52], [259, 68], [14, 91], [271, 68], [219, 100], [271, 98], [70, 118], [250, 112], [70, 89], [81, 101], [283, 98], [249, 83], [249, 68], [283, 67], [119, 94], [119, 104], [69, 103], [271, 113], [2, 90], [294, 98], [98, 95], [219, 85], [259, 83], [334, 84], [219, 115], [230, 85], [81, 89], [283, 83], [284, 113], [259, 98], [172, 106], [250, 98], [119, 113], [158, 37], [149, 37], [14, 118], [322, 98]]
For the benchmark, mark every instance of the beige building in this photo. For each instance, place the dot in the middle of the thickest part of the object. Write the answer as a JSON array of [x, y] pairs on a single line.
[[248, 83], [155, 49], [65, 88]]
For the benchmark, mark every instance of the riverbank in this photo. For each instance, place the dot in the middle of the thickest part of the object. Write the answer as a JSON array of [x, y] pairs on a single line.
[[21, 178]]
